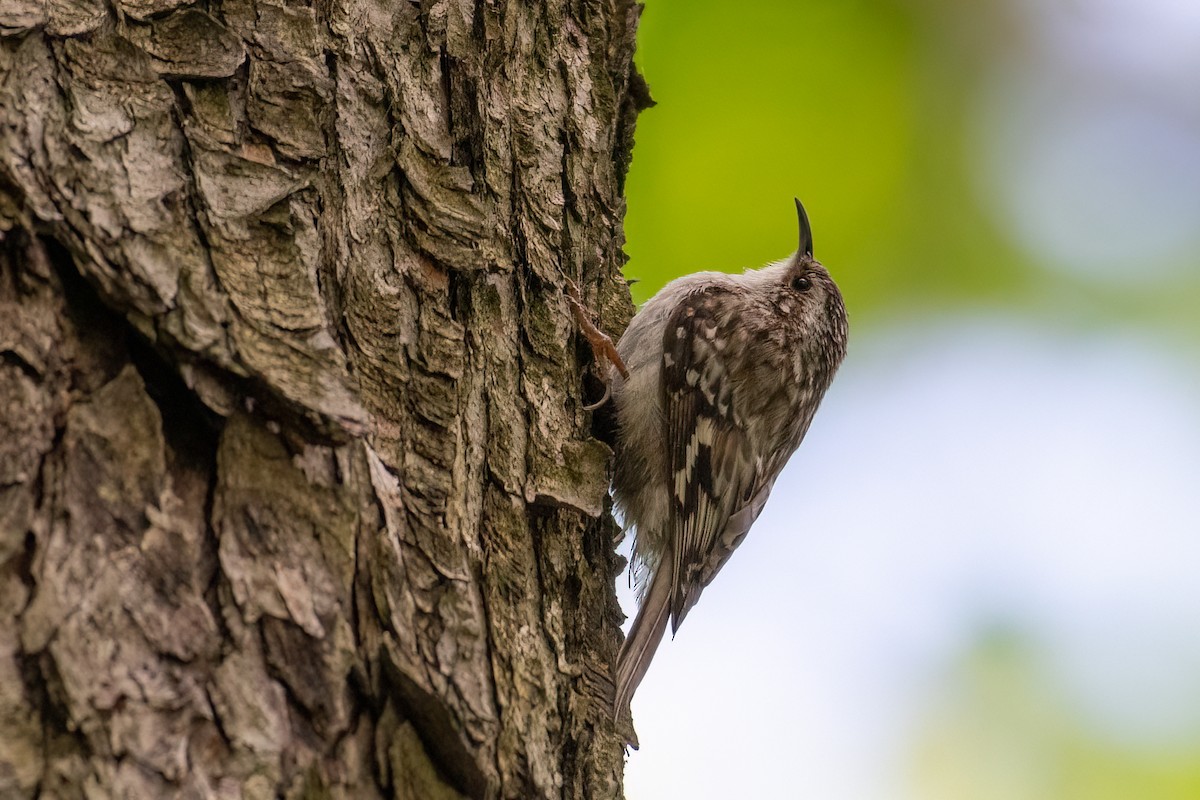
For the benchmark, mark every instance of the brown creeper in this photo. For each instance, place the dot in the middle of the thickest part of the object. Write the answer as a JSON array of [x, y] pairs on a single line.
[[725, 374]]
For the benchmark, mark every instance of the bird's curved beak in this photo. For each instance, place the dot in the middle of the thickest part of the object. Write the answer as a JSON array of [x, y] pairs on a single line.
[[806, 243]]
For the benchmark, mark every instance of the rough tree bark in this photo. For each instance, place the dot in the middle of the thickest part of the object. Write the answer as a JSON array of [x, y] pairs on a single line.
[[297, 494]]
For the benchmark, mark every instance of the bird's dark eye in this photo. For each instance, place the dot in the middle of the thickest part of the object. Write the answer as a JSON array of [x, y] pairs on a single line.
[[801, 283]]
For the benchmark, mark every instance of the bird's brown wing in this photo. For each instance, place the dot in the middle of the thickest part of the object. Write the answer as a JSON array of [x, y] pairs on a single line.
[[716, 477]]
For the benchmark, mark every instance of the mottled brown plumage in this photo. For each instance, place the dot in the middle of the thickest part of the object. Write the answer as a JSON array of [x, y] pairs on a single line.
[[726, 372]]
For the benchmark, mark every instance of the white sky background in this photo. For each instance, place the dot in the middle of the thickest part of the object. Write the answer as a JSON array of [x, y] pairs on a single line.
[[954, 477]]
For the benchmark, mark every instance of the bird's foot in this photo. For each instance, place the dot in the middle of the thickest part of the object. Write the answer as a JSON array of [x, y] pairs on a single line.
[[603, 349]]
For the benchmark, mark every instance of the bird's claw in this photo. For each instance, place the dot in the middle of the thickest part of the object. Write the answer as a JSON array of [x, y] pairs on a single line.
[[603, 349]]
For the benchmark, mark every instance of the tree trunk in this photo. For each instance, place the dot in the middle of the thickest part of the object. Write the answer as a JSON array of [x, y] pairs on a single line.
[[297, 494]]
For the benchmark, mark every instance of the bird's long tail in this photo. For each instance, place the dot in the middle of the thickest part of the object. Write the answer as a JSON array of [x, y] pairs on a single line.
[[647, 631]]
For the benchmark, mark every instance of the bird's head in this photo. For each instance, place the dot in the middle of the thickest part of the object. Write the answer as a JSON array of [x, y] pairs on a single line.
[[807, 297]]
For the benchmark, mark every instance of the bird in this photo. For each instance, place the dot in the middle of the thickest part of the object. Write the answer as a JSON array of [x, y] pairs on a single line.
[[724, 374]]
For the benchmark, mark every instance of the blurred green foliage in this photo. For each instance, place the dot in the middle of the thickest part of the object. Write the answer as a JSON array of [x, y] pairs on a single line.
[[828, 101], [867, 111], [1001, 729]]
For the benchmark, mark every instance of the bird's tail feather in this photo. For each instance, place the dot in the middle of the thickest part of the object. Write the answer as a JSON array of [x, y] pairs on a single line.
[[647, 631]]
